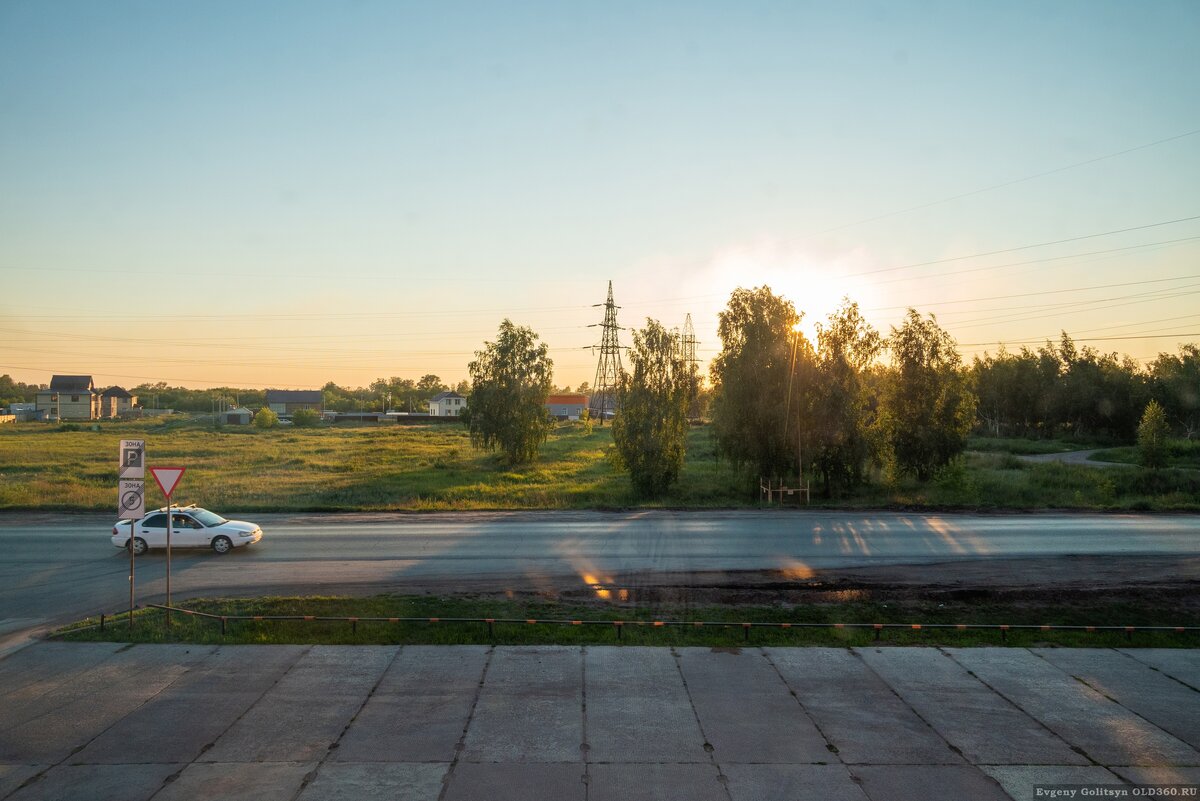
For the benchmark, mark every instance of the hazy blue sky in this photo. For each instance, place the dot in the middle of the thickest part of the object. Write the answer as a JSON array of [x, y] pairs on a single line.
[[289, 193]]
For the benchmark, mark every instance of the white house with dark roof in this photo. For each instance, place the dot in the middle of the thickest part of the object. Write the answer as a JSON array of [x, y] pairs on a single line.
[[69, 397], [447, 404]]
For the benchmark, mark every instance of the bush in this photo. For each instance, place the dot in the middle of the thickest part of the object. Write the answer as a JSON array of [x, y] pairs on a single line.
[[266, 418], [305, 418], [1152, 436]]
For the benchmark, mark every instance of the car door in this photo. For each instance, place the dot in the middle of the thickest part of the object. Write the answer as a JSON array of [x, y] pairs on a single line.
[[186, 531], [154, 530]]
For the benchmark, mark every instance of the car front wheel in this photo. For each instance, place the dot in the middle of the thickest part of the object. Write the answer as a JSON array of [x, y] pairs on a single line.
[[222, 544], [139, 546]]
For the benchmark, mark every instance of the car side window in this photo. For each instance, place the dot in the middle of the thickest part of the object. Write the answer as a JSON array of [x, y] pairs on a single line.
[[155, 521], [183, 521]]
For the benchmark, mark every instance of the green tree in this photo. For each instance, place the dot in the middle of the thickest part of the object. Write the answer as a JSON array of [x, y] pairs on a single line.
[[650, 428], [841, 410], [305, 418], [1177, 387], [750, 378], [1152, 434], [510, 381], [928, 406], [266, 418]]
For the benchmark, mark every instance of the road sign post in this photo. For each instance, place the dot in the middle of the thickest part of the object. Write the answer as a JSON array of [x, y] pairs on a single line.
[[131, 498], [167, 479]]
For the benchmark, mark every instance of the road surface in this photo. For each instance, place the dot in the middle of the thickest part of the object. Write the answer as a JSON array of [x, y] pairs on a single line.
[[59, 568]]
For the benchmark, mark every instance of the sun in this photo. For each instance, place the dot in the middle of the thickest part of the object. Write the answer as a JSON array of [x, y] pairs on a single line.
[[817, 285]]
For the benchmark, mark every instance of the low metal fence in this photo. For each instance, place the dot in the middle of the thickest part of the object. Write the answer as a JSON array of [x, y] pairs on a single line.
[[621, 625]]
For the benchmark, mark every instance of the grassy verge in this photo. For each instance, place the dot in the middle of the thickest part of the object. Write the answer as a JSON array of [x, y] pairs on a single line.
[[1181, 454], [149, 625], [1029, 447], [435, 468]]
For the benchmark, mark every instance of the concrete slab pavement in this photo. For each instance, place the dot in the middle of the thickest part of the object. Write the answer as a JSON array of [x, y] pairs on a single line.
[[1101, 728], [300, 723]]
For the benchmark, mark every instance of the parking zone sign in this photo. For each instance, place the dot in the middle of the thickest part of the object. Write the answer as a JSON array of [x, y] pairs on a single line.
[[133, 458], [131, 500]]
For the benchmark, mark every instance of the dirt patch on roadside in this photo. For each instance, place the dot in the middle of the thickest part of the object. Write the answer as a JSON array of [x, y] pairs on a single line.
[[1038, 582]]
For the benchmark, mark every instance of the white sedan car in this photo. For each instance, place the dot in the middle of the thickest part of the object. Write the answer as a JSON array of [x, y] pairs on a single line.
[[191, 527]]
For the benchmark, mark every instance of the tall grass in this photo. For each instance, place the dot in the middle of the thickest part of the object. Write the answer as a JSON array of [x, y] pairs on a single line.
[[434, 467]]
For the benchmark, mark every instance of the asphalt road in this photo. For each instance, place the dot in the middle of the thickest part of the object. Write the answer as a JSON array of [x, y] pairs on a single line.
[[61, 568]]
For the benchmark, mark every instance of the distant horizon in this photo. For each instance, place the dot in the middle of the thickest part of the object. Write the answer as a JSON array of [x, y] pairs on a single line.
[[451, 383], [286, 194]]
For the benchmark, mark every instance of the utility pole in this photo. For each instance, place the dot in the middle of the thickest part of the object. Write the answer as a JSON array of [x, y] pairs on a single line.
[[608, 368]]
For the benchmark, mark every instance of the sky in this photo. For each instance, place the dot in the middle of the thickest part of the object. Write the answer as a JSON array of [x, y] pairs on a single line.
[[281, 194]]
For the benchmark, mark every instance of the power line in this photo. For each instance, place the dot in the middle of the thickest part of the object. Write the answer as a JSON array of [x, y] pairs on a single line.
[[1024, 247], [1034, 261], [1085, 339], [1043, 292], [1005, 184]]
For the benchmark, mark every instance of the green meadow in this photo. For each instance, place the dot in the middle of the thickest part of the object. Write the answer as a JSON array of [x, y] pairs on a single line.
[[435, 468]]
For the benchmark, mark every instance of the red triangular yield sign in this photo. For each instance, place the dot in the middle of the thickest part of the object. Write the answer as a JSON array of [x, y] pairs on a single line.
[[167, 478]]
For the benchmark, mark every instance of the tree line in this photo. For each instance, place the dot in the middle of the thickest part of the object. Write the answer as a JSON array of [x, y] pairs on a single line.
[[837, 408], [1063, 390]]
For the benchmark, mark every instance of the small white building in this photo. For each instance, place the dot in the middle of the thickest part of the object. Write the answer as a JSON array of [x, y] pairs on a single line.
[[566, 407], [237, 416], [447, 404]]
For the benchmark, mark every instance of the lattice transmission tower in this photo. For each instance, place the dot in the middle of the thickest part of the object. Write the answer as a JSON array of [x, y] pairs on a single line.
[[687, 345], [691, 365], [608, 368]]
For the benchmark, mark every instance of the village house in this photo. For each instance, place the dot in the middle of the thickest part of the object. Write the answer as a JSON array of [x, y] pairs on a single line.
[[116, 402], [287, 401], [69, 397], [447, 404], [566, 407]]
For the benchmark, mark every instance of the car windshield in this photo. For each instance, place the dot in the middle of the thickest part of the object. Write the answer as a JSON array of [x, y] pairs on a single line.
[[209, 519]]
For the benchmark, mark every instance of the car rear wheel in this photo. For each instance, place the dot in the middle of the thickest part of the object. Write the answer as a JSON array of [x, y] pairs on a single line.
[[222, 544], [139, 546]]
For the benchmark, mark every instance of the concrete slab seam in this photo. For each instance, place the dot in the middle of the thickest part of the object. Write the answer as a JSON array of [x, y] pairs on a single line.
[[116, 652], [278, 679], [949, 745], [38, 776], [308, 778], [1110, 698], [721, 777], [1022, 709], [830, 746], [1156, 669], [461, 745]]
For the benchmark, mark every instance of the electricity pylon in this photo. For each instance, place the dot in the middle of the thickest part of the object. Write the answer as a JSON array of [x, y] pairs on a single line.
[[691, 365], [608, 368]]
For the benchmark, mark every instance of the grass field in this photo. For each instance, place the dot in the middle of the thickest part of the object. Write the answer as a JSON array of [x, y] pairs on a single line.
[[638, 623], [434, 467], [397, 467], [1183, 454]]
